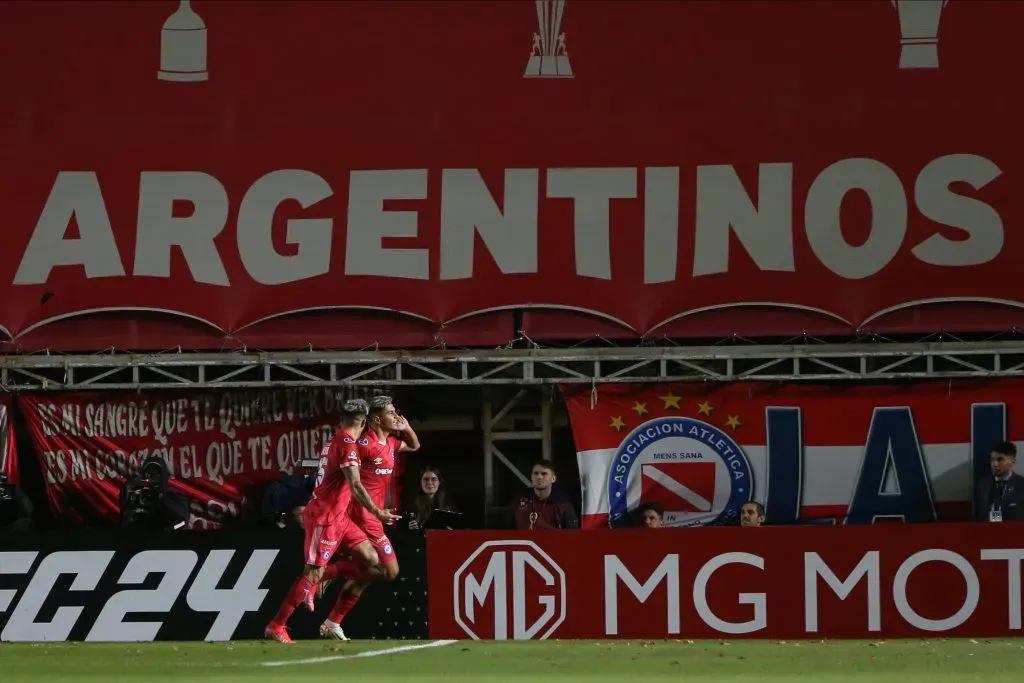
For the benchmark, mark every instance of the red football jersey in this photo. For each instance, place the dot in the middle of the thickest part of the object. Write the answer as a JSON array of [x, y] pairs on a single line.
[[332, 493], [376, 466]]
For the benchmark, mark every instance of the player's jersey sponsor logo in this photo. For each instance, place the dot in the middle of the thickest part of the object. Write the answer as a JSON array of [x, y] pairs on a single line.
[[383, 471], [349, 439], [364, 442], [694, 470]]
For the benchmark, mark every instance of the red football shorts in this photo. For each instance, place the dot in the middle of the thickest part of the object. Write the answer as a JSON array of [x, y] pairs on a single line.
[[374, 530], [322, 541]]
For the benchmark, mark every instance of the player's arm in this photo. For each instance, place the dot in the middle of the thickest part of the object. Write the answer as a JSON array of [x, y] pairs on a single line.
[[410, 442], [362, 495]]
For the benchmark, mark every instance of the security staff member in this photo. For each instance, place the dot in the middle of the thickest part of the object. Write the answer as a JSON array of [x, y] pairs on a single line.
[[1000, 497]]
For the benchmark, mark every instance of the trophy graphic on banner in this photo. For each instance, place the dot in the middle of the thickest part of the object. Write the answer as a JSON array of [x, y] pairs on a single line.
[[919, 32], [183, 46], [549, 57]]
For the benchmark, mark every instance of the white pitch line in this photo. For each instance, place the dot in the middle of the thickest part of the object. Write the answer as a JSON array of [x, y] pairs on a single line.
[[368, 653]]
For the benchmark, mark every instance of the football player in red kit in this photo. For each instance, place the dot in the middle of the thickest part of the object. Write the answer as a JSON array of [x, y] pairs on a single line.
[[375, 471], [326, 518]]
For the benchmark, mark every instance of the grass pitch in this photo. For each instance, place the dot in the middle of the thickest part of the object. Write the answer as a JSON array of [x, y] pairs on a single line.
[[906, 661]]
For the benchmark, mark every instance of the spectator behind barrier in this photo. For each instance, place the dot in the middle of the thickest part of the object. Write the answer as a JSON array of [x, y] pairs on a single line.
[[15, 507], [545, 506], [430, 508], [650, 515], [285, 500], [752, 514], [999, 497]]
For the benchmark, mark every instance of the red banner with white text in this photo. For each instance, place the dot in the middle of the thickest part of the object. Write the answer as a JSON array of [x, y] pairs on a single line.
[[885, 581], [853, 453], [8, 452], [221, 448], [208, 173]]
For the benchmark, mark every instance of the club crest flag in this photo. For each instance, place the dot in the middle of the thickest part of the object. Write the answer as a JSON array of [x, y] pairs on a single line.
[[852, 454]]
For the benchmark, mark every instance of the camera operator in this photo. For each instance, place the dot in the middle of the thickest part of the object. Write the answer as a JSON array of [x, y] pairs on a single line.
[[146, 502], [285, 500], [15, 507]]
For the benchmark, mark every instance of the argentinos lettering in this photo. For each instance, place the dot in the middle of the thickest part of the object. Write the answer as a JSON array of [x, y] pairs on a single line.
[[723, 213], [28, 621]]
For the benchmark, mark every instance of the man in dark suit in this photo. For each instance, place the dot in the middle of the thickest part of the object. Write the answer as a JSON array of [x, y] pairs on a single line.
[[1000, 497]]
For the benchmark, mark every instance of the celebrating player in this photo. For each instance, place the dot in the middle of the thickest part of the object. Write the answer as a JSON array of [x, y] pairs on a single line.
[[376, 469], [326, 519]]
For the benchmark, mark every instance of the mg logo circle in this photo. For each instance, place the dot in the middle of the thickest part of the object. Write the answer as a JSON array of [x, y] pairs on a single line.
[[509, 590]]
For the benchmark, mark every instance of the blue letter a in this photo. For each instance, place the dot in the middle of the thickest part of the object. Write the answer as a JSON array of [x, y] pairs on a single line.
[[892, 448]]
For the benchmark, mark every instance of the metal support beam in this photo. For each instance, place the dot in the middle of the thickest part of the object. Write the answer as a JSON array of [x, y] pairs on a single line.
[[547, 403], [509, 406], [491, 421], [487, 422], [511, 466], [517, 436], [816, 362]]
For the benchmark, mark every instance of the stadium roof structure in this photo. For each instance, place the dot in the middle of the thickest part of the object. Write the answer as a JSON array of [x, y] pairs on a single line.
[[518, 367]]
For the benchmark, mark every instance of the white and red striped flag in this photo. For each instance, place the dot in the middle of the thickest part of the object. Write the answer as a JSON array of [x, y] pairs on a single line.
[[8, 454], [854, 453]]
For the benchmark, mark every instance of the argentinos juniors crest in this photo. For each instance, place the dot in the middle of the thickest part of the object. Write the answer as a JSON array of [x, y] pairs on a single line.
[[695, 471], [678, 449]]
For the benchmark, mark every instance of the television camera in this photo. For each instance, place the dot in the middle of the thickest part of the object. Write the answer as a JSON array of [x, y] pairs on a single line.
[[146, 502]]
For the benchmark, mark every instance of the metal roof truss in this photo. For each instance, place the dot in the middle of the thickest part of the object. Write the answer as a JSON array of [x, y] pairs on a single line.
[[815, 362]]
